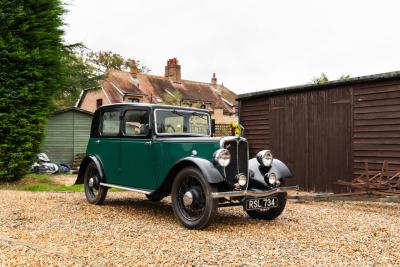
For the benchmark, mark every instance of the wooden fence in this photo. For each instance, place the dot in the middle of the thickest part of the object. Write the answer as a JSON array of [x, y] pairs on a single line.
[[223, 130]]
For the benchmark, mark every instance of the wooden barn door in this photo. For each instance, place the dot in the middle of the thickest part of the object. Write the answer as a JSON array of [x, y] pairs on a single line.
[[288, 119], [329, 139], [311, 133]]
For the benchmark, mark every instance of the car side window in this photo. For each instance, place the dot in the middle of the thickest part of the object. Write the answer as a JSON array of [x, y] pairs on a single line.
[[110, 123], [136, 122]]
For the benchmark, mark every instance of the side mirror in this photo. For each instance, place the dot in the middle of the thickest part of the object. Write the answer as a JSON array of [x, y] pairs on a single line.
[[212, 127]]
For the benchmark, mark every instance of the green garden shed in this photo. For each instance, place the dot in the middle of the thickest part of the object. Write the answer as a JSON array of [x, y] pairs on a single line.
[[67, 134]]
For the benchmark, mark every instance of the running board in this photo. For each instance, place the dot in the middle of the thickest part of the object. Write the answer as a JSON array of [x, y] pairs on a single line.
[[137, 190]]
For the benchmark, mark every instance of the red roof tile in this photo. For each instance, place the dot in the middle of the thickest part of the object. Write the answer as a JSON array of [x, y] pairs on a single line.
[[120, 82]]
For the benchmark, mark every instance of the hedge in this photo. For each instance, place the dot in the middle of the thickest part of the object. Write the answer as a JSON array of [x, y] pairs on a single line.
[[30, 54]]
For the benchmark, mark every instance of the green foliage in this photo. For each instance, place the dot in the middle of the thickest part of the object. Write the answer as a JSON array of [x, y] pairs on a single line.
[[83, 69], [43, 182], [344, 76], [104, 60], [173, 98], [321, 79], [30, 66], [78, 74]]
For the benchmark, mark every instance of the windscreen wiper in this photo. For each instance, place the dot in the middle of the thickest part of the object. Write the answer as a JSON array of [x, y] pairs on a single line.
[[198, 114], [174, 111]]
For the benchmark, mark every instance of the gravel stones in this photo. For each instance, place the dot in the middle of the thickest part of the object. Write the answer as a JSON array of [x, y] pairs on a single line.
[[62, 229]]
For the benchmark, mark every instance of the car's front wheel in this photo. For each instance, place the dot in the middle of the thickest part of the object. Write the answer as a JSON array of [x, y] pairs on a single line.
[[191, 199], [271, 213], [95, 193]]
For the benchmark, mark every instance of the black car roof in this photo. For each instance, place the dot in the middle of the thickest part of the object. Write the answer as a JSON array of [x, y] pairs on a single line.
[[152, 106]]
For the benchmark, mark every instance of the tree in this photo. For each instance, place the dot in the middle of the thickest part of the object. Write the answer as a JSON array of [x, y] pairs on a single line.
[[104, 60], [78, 74], [323, 78], [344, 76], [30, 67], [173, 98]]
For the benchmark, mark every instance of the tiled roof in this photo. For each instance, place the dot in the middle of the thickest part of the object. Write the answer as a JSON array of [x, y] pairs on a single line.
[[120, 82]]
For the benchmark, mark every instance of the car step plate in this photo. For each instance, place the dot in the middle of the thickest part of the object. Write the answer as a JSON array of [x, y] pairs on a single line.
[[261, 203]]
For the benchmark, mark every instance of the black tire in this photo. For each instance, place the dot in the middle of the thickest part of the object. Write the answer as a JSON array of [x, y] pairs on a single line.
[[154, 198], [95, 193], [272, 213], [200, 213]]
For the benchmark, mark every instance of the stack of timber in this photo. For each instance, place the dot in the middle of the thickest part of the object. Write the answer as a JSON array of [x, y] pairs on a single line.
[[383, 182]]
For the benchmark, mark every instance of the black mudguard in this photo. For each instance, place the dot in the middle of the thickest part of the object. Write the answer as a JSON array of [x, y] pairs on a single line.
[[207, 168], [83, 166], [257, 173]]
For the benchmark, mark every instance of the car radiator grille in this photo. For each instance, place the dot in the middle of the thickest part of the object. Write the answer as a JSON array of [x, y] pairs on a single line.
[[239, 158]]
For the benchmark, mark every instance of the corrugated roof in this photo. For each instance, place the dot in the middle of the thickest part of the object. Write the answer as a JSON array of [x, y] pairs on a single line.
[[306, 87]]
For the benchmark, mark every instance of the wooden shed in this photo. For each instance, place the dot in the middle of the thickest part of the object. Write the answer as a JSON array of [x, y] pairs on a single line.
[[324, 132], [67, 134]]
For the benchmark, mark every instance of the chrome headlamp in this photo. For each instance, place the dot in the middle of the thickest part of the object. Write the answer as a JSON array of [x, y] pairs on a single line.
[[223, 157], [265, 158], [271, 179]]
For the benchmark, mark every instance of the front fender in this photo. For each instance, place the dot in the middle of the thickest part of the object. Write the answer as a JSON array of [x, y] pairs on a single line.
[[82, 168], [207, 168], [257, 172]]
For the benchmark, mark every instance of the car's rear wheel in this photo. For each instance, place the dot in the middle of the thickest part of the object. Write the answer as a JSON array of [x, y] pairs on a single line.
[[95, 193], [191, 199], [271, 213]]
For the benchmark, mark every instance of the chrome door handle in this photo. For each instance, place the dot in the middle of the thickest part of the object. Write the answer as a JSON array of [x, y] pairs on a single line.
[[98, 142], [147, 143]]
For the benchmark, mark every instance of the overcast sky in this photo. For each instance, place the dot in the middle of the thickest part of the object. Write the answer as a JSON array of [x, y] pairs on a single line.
[[251, 45]]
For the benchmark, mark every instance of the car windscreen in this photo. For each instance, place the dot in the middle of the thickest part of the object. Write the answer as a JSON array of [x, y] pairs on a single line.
[[182, 122]]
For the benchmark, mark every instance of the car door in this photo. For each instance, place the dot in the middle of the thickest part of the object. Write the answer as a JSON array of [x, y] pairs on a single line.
[[136, 149], [107, 145]]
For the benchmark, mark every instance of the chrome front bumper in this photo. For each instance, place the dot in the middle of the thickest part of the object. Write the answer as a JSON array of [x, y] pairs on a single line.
[[253, 193]]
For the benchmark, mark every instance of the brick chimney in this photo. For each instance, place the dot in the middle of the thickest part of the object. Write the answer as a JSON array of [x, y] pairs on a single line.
[[173, 70], [134, 69], [214, 79]]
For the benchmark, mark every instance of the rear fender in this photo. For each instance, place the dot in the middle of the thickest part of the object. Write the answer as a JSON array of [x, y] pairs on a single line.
[[85, 162]]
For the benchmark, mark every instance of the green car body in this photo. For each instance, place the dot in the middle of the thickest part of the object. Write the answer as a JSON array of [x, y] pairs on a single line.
[[144, 147]]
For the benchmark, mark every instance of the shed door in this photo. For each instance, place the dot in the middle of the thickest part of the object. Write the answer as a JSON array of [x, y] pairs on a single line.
[[311, 133], [288, 135]]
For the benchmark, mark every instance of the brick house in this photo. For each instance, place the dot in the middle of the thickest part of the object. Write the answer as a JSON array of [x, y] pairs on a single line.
[[122, 86]]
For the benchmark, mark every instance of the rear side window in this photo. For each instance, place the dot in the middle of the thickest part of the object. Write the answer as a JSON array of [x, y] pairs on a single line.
[[110, 123], [136, 122]]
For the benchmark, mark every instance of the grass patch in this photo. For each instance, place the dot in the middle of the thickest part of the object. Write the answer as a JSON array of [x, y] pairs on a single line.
[[43, 183], [42, 187]]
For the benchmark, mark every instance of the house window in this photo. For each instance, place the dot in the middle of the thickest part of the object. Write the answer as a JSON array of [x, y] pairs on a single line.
[[203, 106], [99, 102], [133, 100]]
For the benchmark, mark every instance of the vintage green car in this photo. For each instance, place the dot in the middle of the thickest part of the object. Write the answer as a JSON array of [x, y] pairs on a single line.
[[161, 150]]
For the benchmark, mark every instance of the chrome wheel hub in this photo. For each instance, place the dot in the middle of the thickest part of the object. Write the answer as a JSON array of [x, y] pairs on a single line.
[[188, 198], [91, 182]]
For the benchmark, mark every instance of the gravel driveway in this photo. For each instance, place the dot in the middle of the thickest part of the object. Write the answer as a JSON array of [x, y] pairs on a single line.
[[62, 229]]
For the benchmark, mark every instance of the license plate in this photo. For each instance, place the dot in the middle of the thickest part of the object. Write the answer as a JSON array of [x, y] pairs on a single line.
[[261, 203]]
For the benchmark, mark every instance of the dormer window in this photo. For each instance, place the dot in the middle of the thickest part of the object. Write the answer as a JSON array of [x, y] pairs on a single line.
[[133, 100]]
